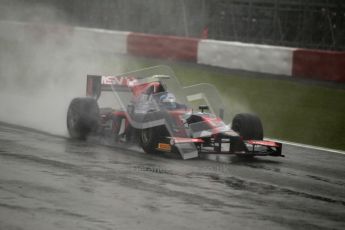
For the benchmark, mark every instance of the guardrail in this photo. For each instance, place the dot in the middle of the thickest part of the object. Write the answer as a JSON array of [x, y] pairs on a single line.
[[318, 64], [250, 57], [299, 63]]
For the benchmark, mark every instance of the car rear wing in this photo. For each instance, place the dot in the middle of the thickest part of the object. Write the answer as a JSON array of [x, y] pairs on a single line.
[[95, 84]]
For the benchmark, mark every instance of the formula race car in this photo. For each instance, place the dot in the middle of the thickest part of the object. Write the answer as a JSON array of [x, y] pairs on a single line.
[[150, 108]]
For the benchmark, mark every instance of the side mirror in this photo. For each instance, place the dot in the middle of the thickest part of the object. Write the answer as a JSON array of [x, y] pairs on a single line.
[[203, 107]]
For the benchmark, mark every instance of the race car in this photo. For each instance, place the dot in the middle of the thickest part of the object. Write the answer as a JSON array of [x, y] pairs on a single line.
[[150, 108]]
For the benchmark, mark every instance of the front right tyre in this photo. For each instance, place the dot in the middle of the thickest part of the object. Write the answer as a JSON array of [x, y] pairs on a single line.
[[248, 126]]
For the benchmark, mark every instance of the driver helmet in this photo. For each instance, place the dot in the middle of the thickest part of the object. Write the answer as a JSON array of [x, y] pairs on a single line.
[[168, 99]]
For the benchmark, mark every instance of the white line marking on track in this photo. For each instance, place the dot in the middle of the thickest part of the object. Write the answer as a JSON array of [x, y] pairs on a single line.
[[308, 146]]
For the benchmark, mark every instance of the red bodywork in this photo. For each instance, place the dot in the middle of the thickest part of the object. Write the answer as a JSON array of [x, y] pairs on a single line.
[[179, 134]]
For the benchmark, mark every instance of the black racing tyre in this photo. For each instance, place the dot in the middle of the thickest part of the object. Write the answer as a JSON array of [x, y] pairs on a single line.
[[248, 126], [150, 137], [82, 117]]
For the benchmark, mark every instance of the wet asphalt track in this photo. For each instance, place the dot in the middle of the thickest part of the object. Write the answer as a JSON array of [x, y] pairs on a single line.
[[49, 182]]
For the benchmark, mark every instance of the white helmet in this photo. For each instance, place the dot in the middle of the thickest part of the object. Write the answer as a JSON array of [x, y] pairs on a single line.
[[167, 98]]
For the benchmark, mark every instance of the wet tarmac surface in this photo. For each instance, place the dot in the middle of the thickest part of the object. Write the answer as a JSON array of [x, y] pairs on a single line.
[[50, 182]]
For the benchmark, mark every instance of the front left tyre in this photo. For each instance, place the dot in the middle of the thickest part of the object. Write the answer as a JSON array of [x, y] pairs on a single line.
[[82, 117], [150, 137]]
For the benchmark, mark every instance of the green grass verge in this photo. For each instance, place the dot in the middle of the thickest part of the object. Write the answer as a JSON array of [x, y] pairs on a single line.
[[290, 110]]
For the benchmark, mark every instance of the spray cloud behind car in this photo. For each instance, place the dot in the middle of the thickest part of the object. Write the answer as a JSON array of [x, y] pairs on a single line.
[[42, 68]]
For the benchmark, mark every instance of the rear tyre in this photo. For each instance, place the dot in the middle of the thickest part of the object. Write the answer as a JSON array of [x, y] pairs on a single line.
[[248, 126], [82, 117]]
